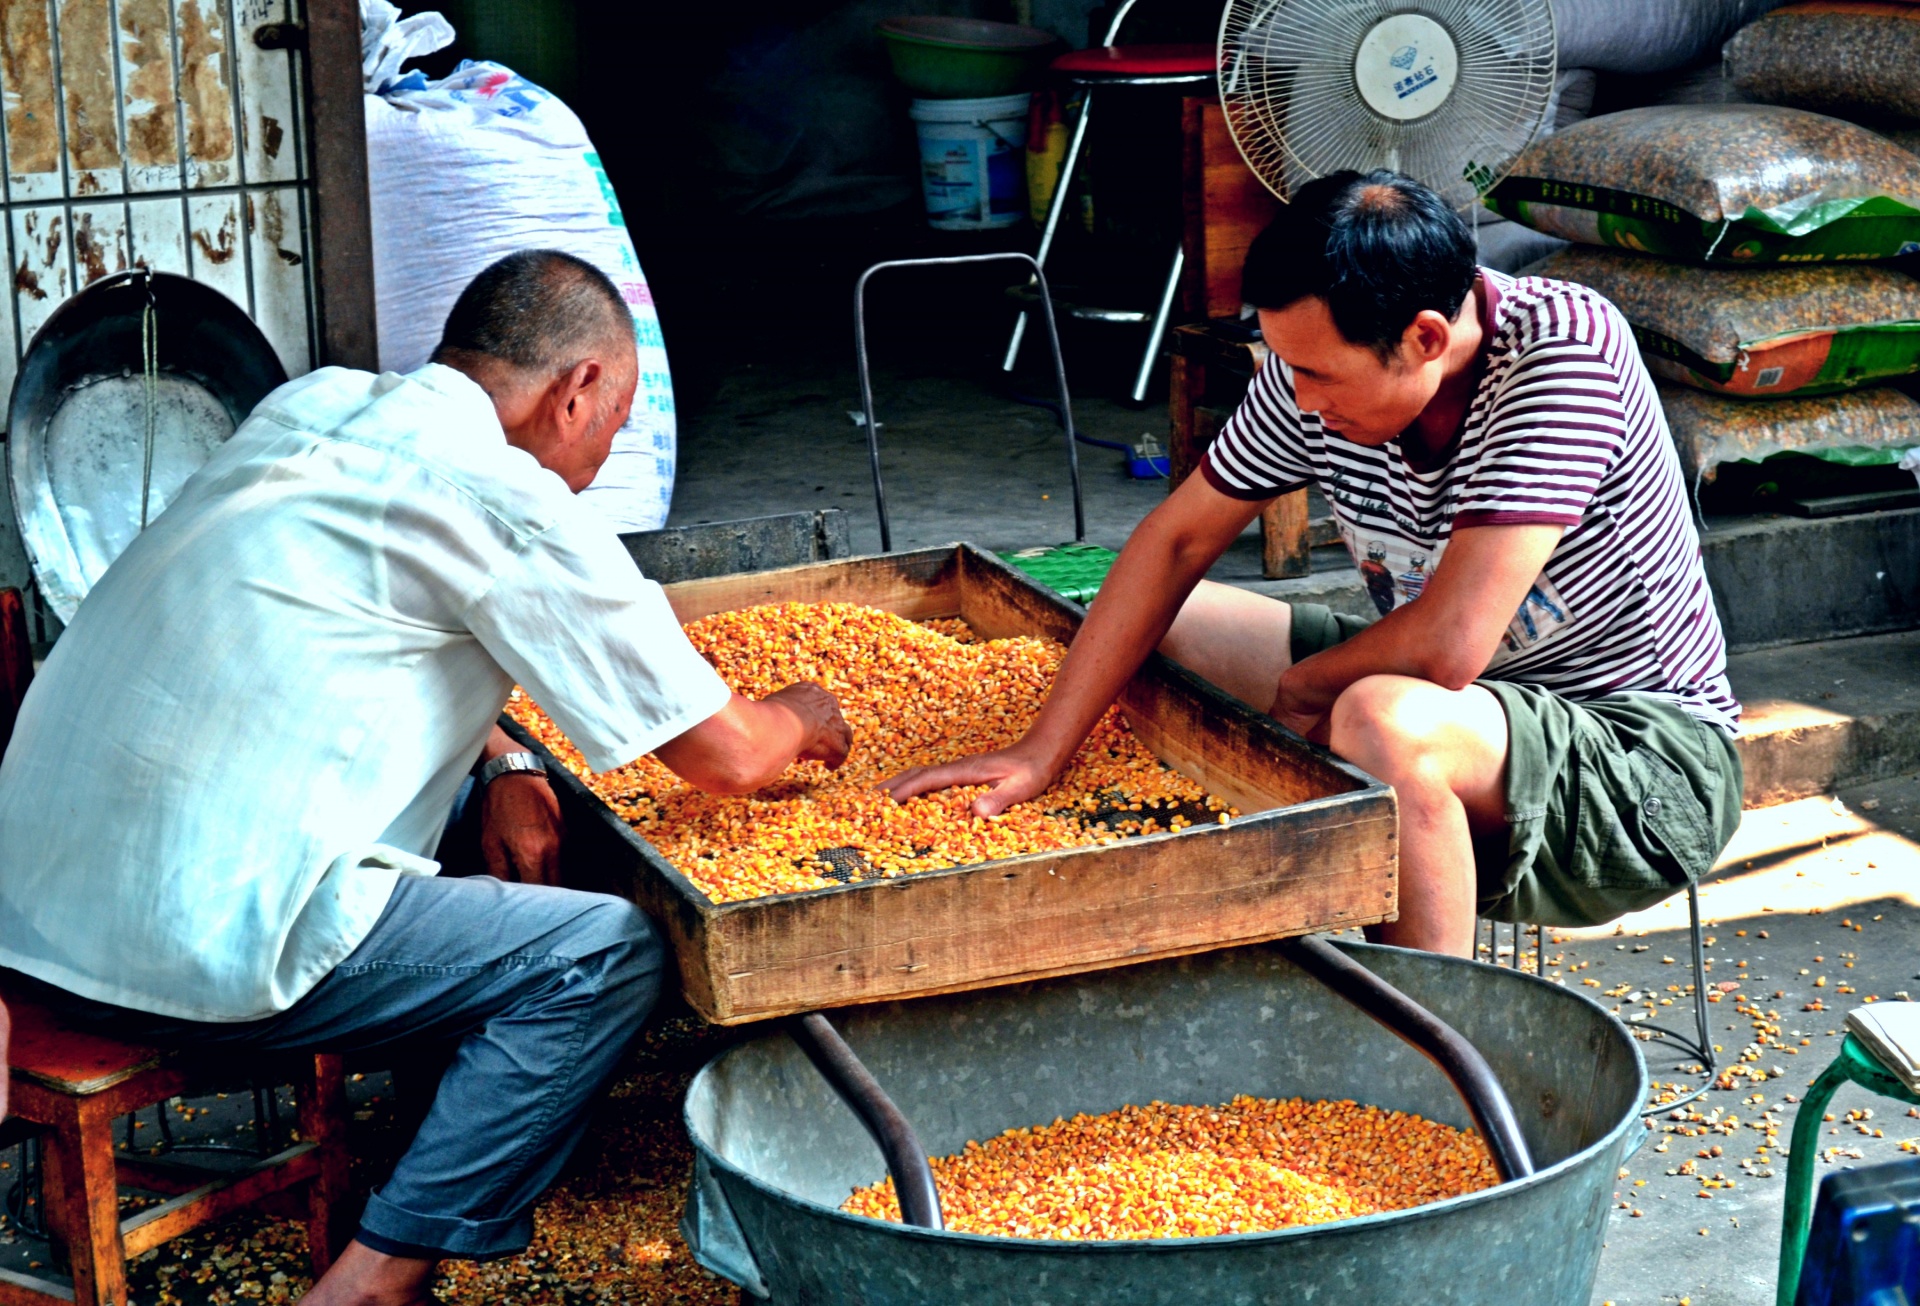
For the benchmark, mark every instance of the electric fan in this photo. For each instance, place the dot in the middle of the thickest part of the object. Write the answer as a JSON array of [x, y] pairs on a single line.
[[1447, 91]]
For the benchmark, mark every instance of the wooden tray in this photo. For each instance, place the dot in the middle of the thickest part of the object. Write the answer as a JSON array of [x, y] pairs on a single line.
[[1315, 847]]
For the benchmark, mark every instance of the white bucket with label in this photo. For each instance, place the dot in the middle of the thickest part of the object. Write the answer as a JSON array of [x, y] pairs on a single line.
[[973, 161]]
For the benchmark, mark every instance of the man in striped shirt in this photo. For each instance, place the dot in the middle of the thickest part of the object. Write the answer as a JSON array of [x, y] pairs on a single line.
[[1545, 685]]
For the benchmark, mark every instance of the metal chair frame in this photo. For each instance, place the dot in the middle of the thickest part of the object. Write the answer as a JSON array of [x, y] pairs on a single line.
[[1699, 1045], [1163, 310]]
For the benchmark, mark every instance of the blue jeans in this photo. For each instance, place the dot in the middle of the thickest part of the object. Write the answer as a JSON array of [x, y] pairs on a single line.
[[542, 991]]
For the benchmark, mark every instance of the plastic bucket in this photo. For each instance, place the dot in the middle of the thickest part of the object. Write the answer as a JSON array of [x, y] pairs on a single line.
[[973, 161]]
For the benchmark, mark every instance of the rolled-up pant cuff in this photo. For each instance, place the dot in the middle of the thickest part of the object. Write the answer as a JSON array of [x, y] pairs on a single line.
[[399, 1232]]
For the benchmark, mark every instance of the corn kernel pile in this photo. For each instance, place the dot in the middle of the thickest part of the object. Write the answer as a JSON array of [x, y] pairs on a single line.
[[1162, 1171], [915, 694]]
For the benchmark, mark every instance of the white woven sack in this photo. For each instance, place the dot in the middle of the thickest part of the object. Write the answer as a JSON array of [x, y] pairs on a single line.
[[466, 170]]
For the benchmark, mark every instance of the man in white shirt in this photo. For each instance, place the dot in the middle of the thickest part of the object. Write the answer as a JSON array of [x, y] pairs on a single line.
[[226, 785]]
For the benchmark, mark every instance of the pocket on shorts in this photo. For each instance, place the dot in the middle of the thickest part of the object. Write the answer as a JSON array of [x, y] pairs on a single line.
[[1666, 827]]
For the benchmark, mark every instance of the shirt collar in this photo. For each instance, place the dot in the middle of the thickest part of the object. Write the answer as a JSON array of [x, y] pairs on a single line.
[[461, 389]]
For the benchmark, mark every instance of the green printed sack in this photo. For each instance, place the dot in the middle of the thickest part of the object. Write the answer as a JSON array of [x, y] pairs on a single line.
[[1863, 427], [1733, 184], [1758, 333]]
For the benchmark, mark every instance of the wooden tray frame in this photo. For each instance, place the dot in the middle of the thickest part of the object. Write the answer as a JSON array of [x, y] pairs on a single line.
[[1316, 848]]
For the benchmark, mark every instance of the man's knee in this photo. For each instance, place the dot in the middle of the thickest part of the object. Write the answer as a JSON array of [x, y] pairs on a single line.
[[620, 948], [1385, 717]]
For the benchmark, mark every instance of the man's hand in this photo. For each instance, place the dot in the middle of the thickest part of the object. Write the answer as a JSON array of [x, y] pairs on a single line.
[[747, 744], [1013, 775], [521, 829], [1308, 720], [829, 737]]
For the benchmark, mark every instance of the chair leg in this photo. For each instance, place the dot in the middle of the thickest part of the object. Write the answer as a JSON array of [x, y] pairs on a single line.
[[1805, 1146], [322, 1097], [1067, 166], [1162, 314], [82, 1196]]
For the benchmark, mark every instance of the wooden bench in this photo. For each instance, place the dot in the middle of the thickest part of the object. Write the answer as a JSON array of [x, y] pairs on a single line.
[[73, 1085]]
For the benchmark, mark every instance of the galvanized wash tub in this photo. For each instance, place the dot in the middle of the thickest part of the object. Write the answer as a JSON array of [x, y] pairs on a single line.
[[776, 1151]]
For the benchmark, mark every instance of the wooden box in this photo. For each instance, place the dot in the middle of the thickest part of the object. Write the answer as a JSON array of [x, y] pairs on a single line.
[[1315, 847]]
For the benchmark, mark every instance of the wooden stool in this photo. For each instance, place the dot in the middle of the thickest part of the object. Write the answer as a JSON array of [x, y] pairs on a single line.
[[1212, 363], [73, 1085]]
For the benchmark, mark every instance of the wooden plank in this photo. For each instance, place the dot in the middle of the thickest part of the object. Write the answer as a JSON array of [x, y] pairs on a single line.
[[1025, 918], [1285, 549], [322, 1097], [1237, 208], [1187, 384], [218, 1198], [18, 1289], [1316, 849], [342, 212], [77, 1161]]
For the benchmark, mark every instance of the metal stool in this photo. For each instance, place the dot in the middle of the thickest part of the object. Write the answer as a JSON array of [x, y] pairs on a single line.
[[1699, 1044], [1854, 1065], [1110, 65]]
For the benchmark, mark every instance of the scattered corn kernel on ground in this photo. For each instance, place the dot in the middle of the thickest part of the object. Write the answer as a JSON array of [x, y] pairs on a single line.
[[915, 694], [1165, 1171]]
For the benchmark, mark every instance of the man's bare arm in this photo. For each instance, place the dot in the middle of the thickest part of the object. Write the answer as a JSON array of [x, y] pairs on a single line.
[[747, 744], [1447, 636], [1165, 557]]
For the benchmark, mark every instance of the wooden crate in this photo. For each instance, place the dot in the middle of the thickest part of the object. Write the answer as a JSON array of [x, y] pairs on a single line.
[[1314, 849]]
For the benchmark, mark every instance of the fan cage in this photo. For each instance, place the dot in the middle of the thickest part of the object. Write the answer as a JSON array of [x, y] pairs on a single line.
[[1292, 106]]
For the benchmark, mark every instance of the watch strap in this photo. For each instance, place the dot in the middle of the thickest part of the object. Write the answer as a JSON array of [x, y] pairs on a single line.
[[510, 764]]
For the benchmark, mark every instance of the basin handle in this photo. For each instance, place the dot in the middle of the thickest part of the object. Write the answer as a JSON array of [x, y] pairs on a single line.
[[906, 1159], [1440, 1042]]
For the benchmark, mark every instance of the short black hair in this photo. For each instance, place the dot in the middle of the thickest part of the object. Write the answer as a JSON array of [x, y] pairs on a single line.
[[537, 310], [1378, 247]]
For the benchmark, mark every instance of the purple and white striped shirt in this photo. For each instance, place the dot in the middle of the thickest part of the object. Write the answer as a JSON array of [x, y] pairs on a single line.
[[1564, 428]]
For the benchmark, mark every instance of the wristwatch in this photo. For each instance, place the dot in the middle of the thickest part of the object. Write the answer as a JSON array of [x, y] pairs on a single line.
[[509, 764]]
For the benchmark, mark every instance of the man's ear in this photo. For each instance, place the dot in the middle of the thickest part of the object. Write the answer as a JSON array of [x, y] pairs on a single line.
[[1426, 337], [577, 392]]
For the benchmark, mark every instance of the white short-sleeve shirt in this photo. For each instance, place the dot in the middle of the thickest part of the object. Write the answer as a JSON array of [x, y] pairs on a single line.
[[261, 714]]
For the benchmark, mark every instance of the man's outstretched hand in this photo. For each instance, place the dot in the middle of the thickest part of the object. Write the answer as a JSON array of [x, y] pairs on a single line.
[[1012, 776], [829, 737]]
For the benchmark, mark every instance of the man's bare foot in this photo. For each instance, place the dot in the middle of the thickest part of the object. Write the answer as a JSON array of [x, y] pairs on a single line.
[[364, 1277]]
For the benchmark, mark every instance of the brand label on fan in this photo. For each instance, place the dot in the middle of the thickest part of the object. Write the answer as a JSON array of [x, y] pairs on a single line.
[[1406, 67]]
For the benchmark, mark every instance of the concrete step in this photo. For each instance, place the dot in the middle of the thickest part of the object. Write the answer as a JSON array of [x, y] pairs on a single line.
[[1833, 712]]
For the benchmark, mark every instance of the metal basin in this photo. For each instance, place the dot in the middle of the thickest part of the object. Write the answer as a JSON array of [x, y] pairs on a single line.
[[776, 1151]]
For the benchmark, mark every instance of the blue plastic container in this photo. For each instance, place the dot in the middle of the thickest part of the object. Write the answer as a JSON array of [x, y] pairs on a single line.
[[1864, 1247]]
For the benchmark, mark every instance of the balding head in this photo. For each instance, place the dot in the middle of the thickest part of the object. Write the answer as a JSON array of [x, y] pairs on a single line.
[[537, 312], [549, 339], [1378, 247]]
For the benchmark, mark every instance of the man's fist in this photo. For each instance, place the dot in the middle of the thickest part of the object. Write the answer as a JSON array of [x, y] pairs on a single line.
[[829, 737], [521, 829]]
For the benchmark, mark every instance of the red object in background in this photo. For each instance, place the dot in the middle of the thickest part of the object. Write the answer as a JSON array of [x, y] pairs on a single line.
[[16, 660], [1122, 61]]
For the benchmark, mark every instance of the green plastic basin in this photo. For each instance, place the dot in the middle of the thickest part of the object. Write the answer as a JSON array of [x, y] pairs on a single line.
[[966, 58]]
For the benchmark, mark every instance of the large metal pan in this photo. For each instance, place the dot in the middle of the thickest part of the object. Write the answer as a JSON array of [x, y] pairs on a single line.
[[77, 423]]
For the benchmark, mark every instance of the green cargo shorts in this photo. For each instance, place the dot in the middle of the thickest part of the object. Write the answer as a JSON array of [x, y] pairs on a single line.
[[1613, 804]]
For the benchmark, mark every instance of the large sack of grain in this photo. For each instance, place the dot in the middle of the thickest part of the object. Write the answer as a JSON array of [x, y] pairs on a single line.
[[1761, 333], [1720, 183], [1854, 58], [1645, 36], [466, 170], [1862, 426]]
